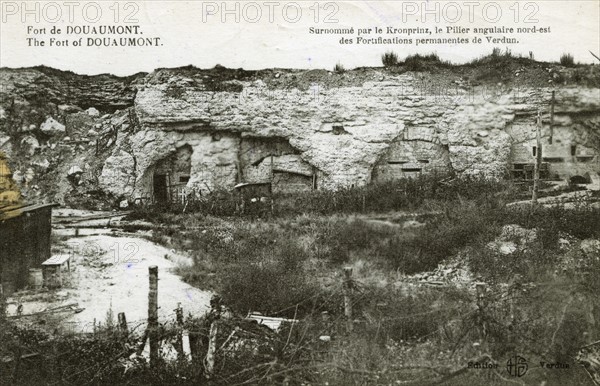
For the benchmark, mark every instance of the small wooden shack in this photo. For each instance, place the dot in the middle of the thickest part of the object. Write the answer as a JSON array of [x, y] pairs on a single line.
[[24, 242]]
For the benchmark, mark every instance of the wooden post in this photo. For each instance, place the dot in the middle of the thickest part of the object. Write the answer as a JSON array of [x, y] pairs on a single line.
[[271, 187], [153, 313], [209, 362], [238, 165], [481, 289], [185, 345], [123, 323], [552, 118], [538, 160], [169, 196], [347, 287], [179, 318]]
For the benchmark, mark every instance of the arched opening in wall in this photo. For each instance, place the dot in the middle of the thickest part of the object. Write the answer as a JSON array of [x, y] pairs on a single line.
[[411, 158], [580, 180], [171, 175]]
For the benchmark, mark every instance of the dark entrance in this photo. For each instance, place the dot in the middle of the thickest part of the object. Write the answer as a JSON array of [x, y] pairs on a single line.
[[578, 180], [160, 188]]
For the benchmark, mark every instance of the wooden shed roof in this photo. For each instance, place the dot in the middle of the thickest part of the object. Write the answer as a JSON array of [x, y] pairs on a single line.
[[8, 212]]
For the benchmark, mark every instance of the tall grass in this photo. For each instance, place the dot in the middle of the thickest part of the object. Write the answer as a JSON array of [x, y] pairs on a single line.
[[398, 195]]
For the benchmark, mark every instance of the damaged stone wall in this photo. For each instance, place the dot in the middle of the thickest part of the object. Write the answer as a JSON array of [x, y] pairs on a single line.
[[213, 161], [567, 149], [345, 129], [263, 159]]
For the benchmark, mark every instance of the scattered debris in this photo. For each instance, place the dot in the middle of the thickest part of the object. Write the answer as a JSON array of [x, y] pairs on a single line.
[[272, 322]]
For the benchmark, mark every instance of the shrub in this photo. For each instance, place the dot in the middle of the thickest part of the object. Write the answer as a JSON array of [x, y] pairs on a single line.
[[336, 241], [420, 62], [389, 59], [273, 284], [567, 60], [339, 68], [441, 238]]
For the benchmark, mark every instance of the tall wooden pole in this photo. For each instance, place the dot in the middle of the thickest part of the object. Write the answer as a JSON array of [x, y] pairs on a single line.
[[538, 159], [153, 313]]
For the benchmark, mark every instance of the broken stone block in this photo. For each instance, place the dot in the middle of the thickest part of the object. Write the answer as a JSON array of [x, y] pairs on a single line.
[[93, 112], [17, 176], [30, 144], [74, 170], [52, 127], [43, 164], [68, 109], [29, 175]]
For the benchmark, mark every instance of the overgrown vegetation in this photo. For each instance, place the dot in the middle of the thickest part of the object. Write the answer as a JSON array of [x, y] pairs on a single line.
[[540, 300], [567, 60], [416, 62], [339, 68], [389, 59], [422, 193]]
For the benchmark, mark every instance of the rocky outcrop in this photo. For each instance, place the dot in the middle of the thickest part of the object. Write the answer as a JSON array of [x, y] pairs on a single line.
[[345, 129]]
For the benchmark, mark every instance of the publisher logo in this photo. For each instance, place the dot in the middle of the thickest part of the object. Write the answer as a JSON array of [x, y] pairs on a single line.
[[517, 366]]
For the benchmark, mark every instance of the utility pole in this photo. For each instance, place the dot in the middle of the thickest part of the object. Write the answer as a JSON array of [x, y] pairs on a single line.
[[538, 159]]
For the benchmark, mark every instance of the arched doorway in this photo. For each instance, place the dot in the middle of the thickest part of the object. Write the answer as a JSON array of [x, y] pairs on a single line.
[[171, 175]]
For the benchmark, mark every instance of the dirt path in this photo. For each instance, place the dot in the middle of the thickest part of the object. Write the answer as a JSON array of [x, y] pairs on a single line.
[[111, 273]]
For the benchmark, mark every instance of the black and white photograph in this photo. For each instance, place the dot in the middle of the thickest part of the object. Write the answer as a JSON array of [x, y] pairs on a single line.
[[300, 193]]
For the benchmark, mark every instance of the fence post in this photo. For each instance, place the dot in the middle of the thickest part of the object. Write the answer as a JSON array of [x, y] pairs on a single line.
[[179, 318], [215, 312], [153, 313], [481, 289], [123, 323], [347, 288]]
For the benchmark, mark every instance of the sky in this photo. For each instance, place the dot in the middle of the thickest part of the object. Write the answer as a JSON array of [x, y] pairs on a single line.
[[277, 33]]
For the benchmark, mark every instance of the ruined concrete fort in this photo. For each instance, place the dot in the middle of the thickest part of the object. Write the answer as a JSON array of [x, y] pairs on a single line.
[[152, 137]]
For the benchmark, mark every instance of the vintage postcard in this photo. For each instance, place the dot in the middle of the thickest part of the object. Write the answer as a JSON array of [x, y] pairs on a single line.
[[303, 192]]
